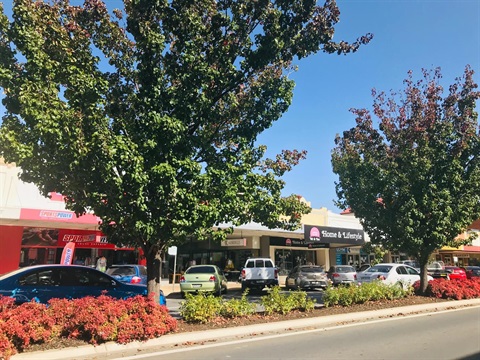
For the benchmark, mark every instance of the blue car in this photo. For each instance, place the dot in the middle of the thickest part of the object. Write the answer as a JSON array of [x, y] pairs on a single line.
[[130, 274], [44, 282]]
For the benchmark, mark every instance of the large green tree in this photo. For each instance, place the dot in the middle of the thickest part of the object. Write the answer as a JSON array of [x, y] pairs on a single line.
[[413, 180], [149, 115]]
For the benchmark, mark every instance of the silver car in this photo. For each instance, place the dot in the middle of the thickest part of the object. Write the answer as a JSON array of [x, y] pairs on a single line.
[[307, 277], [342, 274]]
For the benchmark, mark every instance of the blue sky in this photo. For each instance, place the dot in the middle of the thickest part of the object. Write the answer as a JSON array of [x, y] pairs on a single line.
[[408, 35]]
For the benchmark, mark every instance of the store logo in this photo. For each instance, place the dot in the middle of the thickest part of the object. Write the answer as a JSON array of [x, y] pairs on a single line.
[[78, 238], [102, 239], [56, 214], [314, 234]]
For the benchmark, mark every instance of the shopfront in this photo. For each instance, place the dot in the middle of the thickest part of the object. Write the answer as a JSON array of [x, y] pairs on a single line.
[[344, 244], [288, 253], [42, 234], [35, 245], [353, 256], [461, 256], [229, 255]]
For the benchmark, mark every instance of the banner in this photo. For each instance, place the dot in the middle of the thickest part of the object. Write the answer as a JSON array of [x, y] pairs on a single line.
[[67, 254]]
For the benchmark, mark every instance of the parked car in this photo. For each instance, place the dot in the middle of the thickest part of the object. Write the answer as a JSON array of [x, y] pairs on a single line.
[[203, 278], [456, 273], [472, 271], [437, 270], [258, 273], [363, 268], [130, 274], [44, 282], [391, 274], [307, 277], [342, 275], [413, 263]]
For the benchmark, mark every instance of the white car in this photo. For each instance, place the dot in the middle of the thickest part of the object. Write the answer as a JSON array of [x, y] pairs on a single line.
[[391, 274]]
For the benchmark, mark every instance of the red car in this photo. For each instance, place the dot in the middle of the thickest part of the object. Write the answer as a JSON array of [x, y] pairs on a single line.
[[456, 273]]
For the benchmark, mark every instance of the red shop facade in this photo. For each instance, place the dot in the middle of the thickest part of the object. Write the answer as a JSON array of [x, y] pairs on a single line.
[[38, 236]]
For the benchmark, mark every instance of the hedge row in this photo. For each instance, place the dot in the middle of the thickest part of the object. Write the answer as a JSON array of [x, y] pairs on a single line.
[[452, 289], [91, 319], [203, 308]]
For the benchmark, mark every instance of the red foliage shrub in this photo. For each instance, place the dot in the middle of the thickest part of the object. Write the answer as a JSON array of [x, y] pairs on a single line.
[[23, 325], [452, 289], [93, 319], [145, 320]]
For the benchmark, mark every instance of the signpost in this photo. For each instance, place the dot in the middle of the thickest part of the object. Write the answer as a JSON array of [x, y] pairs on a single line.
[[172, 250]]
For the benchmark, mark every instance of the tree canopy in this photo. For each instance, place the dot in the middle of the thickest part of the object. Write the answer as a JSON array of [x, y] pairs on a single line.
[[149, 115], [414, 180]]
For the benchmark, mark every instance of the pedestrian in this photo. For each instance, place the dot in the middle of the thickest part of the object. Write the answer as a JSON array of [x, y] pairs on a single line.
[[102, 264]]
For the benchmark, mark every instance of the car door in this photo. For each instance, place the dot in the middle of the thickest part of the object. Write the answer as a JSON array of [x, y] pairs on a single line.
[[222, 277], [413, 274], [89, 282], [39, 284], [402, 275]]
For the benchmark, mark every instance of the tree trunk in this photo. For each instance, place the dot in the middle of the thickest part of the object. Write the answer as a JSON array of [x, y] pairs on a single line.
[[153, 253], [423, 277]]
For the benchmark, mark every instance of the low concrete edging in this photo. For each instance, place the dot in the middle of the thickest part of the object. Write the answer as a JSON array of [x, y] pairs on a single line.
[[193, 337]]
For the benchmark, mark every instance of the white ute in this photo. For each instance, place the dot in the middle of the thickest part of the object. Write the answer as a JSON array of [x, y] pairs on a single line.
[[258, 273]]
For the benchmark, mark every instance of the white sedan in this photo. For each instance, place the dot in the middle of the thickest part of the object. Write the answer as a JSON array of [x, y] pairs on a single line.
[[391, 274]]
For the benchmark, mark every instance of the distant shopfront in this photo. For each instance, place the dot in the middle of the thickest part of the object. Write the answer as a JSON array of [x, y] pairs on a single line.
[[229, 254], [344, 243], [318, 247], [290, 252]]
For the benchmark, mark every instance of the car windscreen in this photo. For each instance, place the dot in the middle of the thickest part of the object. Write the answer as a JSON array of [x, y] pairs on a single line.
[[380, 269], [313, 269], [344, 269], [201, 270], [121, 271]]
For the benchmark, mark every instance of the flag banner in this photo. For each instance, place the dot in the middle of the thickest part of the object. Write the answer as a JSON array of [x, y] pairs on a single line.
[[67, 254]]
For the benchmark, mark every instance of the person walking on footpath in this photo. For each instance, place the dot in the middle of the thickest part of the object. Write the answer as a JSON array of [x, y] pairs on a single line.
[[102, 264]]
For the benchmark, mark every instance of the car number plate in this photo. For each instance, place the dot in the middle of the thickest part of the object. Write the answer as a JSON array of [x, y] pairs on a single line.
[[314, 282], [260, 281], [196, 285]]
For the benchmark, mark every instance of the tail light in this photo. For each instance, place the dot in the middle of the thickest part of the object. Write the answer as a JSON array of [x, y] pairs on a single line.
[[336, 275], [355, 276], [182, 279], [135, 280], [242, 274], [212, 278], [276, 273]]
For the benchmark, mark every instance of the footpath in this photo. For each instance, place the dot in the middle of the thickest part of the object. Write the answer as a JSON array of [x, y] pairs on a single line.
[[241, 331]]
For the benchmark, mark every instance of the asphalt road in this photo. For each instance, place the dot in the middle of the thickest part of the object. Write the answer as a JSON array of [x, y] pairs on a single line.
[[445, 335]]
